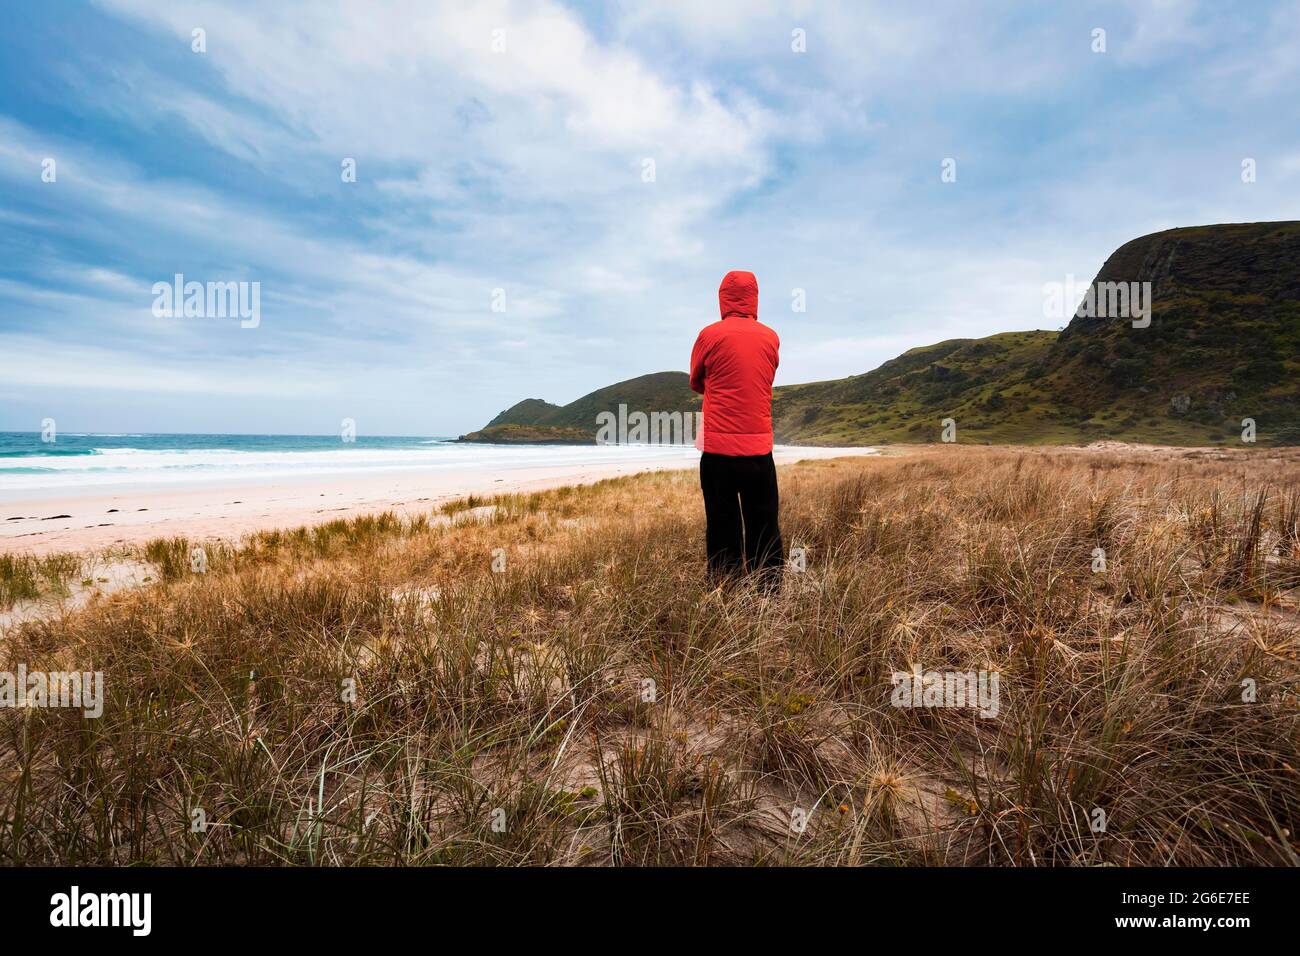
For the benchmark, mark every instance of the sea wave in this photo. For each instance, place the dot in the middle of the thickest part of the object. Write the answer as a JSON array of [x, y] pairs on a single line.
[[50, 452], [108, 466]]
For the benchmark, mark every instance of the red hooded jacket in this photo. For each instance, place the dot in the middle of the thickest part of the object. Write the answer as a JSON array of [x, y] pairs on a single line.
[[732, 365]]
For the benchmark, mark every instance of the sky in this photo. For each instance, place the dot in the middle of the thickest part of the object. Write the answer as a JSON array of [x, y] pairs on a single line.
[[546, 194]]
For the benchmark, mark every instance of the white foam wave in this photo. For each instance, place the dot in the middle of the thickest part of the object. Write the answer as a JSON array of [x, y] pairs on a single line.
[[136, 466]]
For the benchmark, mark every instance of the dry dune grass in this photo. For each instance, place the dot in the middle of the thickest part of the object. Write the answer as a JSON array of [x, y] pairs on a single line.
[[596, 703]]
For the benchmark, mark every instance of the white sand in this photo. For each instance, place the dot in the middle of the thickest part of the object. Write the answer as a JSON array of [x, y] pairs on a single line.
[[133, 515]]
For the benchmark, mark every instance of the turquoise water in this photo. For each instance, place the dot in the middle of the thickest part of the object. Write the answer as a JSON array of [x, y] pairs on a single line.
[[15, 446]]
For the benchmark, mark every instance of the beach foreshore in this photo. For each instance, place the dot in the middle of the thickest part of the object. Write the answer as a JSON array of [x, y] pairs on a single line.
[[97, 518]]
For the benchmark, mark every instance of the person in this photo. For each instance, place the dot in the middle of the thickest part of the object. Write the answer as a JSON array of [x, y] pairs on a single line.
[[732, 364]]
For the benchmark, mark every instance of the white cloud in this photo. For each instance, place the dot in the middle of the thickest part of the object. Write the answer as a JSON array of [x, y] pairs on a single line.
[[49, 363]]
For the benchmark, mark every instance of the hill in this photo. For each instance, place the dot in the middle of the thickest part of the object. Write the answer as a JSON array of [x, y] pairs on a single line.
[[531, 411], [1223, 342], [906, 398], [510, 434], [658, 391], [1220, 343], [575, 423]]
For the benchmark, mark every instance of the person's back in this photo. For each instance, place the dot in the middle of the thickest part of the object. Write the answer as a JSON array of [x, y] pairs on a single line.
[[733, 364]]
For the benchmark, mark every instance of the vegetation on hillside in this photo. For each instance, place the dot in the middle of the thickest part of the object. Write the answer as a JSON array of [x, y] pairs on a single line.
[[656, 392], [907, 397], [549, 679], [531, 435], [1223, 344], [531, 411]]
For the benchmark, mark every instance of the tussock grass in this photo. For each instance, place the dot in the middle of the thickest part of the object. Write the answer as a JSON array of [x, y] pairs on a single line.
[[373, 692], [23, 577]]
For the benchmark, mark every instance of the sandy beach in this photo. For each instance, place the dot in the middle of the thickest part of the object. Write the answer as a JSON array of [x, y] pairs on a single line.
[[71, 521]]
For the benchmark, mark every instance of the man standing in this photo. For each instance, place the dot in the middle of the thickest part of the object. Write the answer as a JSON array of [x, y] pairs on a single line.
[[732, 365]]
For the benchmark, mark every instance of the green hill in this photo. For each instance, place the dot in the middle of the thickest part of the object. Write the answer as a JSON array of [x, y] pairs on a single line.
[[531, 411], [1222, 345], [659, 392], [508, 434], [906, 398], [534, 421]]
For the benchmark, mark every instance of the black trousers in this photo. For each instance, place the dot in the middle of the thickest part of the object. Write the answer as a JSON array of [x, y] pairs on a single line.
[[741, 507]]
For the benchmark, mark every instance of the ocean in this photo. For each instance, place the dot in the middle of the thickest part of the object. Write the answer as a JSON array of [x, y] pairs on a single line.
[[84, 461]]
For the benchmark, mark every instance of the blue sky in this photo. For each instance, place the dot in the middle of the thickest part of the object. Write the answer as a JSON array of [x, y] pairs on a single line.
[[521, 169]]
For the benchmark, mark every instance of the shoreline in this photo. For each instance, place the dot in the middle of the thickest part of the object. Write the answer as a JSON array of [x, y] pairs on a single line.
[[96, 520]]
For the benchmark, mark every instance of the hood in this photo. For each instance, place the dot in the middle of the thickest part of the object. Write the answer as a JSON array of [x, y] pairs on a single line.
[[738, 295]]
